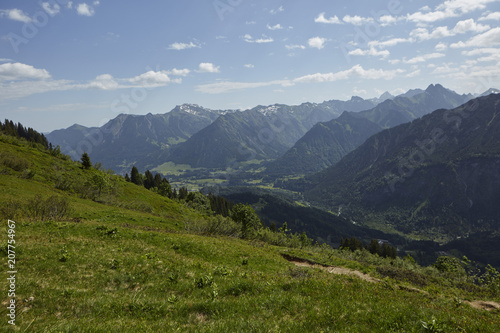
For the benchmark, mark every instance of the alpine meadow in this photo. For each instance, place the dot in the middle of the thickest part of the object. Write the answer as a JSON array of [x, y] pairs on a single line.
[[250, 166]]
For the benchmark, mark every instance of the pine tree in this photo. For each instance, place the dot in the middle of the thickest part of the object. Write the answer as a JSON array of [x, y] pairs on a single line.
[[148, 180], [127, 178], [183, 192], [135, 176], [86, 164]]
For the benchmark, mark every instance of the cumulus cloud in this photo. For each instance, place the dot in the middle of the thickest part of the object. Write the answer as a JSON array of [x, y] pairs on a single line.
[[264, 39], [424, 58], [448, 9], [487, 39], [317, 42], [151, 78], [461, 27], [357, 20], [332, 20], [371, 52], [495, 16], [275, 27], [295, 47], [208, 67], [20, 80], [441, 46], [85, 10], [179, 72], [15, 14], [249, 66], [182, 46], [51, 10], [18, 71]]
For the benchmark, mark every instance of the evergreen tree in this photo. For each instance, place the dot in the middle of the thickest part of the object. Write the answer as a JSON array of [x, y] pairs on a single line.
[[127, 178], [183, 192], [374, 247], [148, 180], [86, 164], [157, 180], [135, 176], [174, 194]]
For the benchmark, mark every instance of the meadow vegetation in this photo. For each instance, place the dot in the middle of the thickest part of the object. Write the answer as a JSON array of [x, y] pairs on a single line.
[[96, 253]]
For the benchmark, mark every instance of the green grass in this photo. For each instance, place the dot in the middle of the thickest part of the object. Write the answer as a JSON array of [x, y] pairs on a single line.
[[126, 264]]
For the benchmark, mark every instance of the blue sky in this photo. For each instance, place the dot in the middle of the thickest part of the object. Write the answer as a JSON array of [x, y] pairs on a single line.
[[64, 62]]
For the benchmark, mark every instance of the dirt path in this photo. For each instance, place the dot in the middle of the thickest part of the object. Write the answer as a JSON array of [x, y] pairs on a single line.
[[337, 270], [483, 305]]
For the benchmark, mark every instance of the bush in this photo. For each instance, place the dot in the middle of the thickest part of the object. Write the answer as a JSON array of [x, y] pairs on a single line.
[[52, 208], [214, 225]]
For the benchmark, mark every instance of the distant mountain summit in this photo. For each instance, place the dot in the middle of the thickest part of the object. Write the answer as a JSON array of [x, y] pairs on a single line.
[[134, 139], [326, 143], [261, 133]]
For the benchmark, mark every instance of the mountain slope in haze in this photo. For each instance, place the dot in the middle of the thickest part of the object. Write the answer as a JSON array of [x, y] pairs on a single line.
[[438, 176], [133, 139], [264, 132], [323, 145], [326, 143]]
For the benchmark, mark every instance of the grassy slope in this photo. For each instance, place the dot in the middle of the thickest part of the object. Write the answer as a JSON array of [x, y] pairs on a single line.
[[152, 276]]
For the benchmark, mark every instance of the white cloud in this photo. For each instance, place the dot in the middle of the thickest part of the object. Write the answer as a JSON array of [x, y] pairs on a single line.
[[469, 26], [182, 46], [70, 4], [6, 60], [20, 80], [461, 27], [332, 20], [15, 14], [275, 27], [487, 39], [448, 9], [491, 16], [357, 20], [371, 52], [317, 42], [264, 39], [151, 78], [475, 52], [389, 42], [17, 71], [51, 10], [295, 46], [424, 58], [355, 71], [85, 10], [104, 82], [179, 72], [386, 20], [441, 46], [249, 66], [208, 67]]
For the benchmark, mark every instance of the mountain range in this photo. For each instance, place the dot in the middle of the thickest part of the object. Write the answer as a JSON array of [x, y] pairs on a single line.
[[134, 139], [326, 143], [437, 175]]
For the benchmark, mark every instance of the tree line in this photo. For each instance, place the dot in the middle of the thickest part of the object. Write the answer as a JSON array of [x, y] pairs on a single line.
[[19, 131]]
